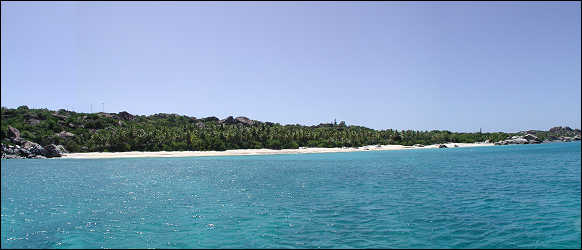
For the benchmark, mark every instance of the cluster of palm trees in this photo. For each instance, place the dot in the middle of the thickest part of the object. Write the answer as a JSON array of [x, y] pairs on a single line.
[[215, 136], [170, 132]]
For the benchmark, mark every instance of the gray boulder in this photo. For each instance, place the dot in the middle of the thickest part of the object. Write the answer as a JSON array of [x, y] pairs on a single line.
[[65, 134], [519, 140], [38, 150], [55, 150], [228, 120], [10, 150], [11, 156], [126, 116], [244, 120], [442, 146], [13, 133], [531, 138], [33, 121], [23, 152], [28, 145]]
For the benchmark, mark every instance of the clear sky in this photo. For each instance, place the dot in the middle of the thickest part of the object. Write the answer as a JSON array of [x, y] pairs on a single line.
[[415, 65]]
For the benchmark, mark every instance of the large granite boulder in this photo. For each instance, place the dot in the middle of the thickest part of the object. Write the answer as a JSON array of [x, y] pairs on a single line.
[[65, 134], [531, 138], [442, 146], [513, 140], [55, 150], [244, 120], [126, 116], [8, 149], [6, 156], [33, 121], [228, 120], [23, 152], [28, 144], [519, 140], [209, 119], [566, 139], [38, 150], [13, 133]]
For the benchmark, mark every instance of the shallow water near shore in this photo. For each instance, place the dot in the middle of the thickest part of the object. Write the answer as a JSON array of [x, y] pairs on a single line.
[[516, 196]]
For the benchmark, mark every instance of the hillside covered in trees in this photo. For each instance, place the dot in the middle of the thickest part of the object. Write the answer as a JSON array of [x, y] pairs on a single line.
[[119, 132]]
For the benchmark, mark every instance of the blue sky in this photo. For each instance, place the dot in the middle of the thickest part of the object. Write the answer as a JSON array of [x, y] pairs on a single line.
[[415, 65]]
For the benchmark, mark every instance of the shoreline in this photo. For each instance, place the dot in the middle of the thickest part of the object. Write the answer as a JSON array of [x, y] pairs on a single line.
[[263, 151]]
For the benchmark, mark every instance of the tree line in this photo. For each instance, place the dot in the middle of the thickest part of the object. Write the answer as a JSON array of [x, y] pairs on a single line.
[[111, 132]]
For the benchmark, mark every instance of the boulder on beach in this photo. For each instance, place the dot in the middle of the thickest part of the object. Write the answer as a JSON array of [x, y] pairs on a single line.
[[38, 150], [28, 144], [443, 146], [23, 152], [55, 150]]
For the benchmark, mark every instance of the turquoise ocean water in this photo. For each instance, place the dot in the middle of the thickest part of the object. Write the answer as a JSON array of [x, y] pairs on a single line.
[[517, 196]]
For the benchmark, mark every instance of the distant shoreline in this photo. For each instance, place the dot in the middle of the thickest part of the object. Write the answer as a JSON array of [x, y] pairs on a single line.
[[235, 152]]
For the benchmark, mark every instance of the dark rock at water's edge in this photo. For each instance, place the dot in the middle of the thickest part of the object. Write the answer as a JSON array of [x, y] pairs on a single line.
[[55, 150], [442, 146], [32, 150]]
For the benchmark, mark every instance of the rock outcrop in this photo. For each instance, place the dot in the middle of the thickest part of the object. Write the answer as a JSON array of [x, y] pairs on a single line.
[[228, 120], [126, 116], [239, 120], [13, 133], [32, 150], [65, 134], [244, 120], [520, 139], [55, 150], [443, 146]]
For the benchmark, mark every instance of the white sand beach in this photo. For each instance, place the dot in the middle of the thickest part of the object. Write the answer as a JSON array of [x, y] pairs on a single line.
[[103, 155]]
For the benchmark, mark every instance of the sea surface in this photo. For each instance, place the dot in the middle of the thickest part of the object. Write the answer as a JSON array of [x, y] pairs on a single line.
[[515, 196]]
